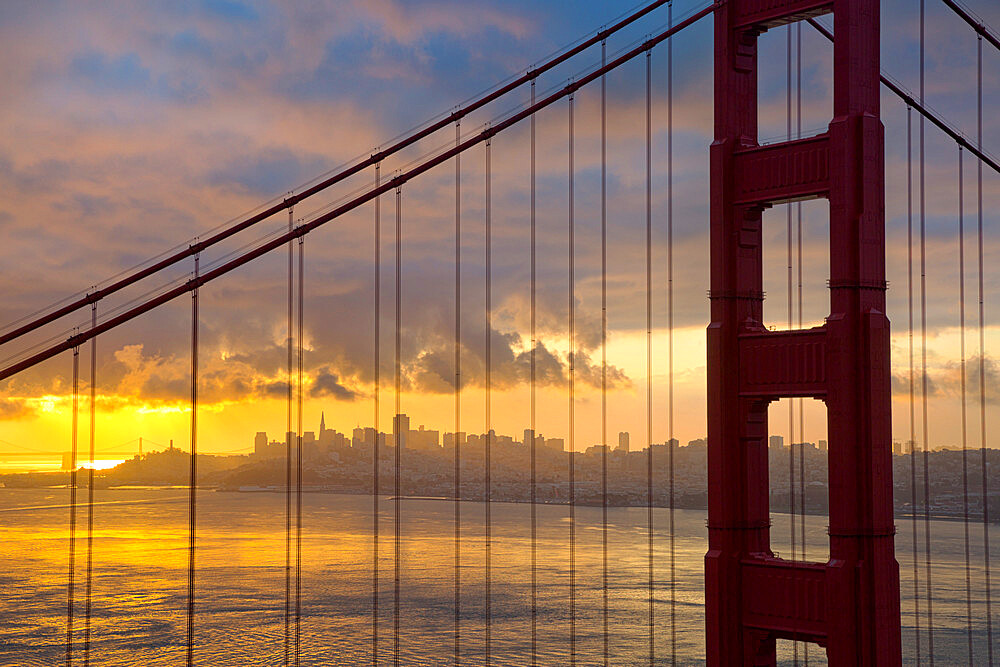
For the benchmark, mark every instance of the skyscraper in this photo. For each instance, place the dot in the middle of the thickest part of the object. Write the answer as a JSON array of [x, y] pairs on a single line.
[[400, 429], [260, 443], [623, 441]]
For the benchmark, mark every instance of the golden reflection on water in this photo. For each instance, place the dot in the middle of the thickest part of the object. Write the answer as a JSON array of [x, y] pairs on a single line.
[[141, 555]]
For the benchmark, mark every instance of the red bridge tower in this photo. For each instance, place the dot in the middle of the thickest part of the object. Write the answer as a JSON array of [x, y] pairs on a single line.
[[849, 604]]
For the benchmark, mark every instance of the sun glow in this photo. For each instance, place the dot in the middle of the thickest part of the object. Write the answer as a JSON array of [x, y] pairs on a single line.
[[101, 465]]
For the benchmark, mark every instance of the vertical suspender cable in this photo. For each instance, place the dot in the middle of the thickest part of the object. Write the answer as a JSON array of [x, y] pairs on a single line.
[[802, 419], [649, 354], [572, 398], [88, 596], [72, 508], [604, 354], [288, 447], [534, 438], [965, 430], [982, 358], [488, 461], [671, 441], [193, 476], [912, 396], [375, 437], [965, 444], [788, 255], [401, 435], [300, 335], [458, 396], [923, 362]]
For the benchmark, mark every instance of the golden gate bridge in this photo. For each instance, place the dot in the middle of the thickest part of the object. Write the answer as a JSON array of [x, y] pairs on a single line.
[[846, 609]]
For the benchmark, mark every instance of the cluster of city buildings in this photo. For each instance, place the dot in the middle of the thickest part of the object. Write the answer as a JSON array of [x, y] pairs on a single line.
[[419, 439]]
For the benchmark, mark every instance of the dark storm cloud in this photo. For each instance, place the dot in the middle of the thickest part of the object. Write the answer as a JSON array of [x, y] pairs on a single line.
[[327, 383]]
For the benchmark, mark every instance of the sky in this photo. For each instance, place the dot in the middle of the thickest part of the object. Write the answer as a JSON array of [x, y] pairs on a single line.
[[132, 129]]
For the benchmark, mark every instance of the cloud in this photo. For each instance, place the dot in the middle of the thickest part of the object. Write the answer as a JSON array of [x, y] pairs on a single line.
[[135, 128], [327, 384], [946, 380], [15, 408], [268, 171]]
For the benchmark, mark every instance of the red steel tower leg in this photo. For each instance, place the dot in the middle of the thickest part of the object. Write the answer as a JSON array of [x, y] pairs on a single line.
[[849, 604]]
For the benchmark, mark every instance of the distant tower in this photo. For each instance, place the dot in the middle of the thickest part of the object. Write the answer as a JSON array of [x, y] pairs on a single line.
[[322, 424], [623, 441], [260, 443], [401, 429]]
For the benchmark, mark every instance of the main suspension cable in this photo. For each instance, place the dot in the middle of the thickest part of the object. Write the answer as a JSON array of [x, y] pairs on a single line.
[[336, 177], [349, 205], [982, 30]]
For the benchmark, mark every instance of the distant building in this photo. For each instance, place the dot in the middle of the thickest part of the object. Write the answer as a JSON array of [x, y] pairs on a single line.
[[897, 448], [623, 441], [400, 430], [557, 444], [822, 445], [326, 435], [260, 443], [451, 439], [776, 442], [423, 439]]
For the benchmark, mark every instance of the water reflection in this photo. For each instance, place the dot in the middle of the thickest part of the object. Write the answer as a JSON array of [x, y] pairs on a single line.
[[140, 581]]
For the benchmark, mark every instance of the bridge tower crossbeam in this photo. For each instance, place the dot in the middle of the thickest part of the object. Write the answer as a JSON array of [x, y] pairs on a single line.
[[850, 604]]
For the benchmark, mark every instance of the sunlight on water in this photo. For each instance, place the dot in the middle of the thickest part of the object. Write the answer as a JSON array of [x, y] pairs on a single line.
[[139, 582]]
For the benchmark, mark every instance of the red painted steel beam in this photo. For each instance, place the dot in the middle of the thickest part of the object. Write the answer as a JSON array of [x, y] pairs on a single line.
[[783, 172], [387, 186], [785, 599], [200, 246], [761, 15], [783, 363]]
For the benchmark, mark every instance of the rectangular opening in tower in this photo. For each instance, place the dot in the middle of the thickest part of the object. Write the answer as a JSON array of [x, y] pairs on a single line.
[[803, 258], [808, 109], [799, 487]]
